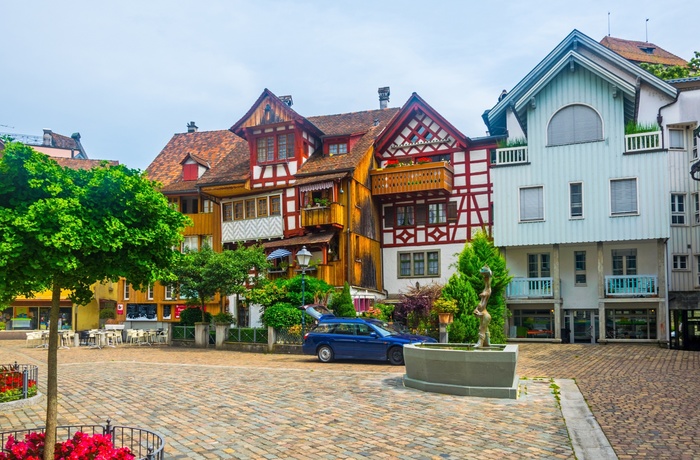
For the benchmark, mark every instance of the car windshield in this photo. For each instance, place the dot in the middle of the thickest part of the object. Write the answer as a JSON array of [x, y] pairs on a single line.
[[384, 331]]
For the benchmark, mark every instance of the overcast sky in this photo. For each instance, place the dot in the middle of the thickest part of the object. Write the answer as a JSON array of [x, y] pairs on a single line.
[[128, 75]]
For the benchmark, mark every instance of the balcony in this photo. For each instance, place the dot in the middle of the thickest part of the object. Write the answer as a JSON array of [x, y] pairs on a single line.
[[632, 286], [529, 288], [510, 156], [316, 216], [642, 141], [413, 179]]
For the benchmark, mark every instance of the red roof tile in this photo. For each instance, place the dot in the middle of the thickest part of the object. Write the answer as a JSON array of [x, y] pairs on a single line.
[[78, 163], [635, 51]]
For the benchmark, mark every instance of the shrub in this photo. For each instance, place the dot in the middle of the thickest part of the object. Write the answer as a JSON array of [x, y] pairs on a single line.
[[108, 313], [281, 316], [192, 315], [341, 303], [223, 317], [464, 329]]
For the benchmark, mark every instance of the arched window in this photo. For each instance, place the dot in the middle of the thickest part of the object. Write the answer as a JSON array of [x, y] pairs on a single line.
[[574, 124]]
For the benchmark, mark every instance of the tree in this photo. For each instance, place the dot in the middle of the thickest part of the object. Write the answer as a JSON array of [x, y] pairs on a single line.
[[416, 303], [203, 274], [68, 229], [674, 71], [341, 303], [467, 281]]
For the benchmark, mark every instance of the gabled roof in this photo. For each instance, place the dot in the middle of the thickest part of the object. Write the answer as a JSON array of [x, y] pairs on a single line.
[[211, 147], [269, 109], [196, 159], [568, 52], [413, 104], [639, 52], [367, 125]]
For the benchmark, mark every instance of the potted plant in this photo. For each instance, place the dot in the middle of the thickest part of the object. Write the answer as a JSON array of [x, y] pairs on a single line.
[[445, 309], [322, 202]]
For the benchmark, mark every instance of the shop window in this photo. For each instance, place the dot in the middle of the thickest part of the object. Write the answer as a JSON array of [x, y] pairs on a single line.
[[533, 324], [630, 323]]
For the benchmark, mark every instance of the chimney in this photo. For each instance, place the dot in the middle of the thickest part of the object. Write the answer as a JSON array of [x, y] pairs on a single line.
[[47, 137], [287, 100], [191, 127], [383, 97]]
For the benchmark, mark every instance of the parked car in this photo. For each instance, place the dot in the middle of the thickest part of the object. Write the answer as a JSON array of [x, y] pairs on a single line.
[[357, 338]]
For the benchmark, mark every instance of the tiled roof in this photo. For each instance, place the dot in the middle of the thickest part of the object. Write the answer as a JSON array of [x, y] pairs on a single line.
[[634, 51], [77, 163], [212, 147], [63, 142], [346, 124]]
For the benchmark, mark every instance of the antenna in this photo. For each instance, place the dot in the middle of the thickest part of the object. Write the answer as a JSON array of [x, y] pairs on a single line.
[[646, 30], [608, 23]]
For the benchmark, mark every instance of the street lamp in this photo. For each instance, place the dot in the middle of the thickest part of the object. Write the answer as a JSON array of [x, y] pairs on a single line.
[[303, 258]]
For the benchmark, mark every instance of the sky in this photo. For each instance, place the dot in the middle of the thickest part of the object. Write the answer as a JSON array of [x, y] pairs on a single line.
[[128, 75]]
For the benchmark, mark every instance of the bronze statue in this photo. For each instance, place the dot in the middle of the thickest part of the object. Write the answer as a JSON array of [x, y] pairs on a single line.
[[481, 311]]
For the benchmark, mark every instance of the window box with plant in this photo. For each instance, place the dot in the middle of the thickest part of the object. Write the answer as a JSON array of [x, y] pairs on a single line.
[[322, 202]]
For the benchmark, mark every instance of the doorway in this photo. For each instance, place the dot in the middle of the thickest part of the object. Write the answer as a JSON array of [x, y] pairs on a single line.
[[582, 326], [685, 329]]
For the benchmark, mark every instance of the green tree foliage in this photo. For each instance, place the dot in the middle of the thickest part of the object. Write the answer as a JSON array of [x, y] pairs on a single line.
[[341, 303], [675, 71], [67, 229], [465, 284], [281, 315], [203, 274], [267, 293]]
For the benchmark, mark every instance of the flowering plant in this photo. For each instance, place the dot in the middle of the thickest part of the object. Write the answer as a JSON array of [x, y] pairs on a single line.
[[80, 446], [423, 160], [392, 163], [11, 386]]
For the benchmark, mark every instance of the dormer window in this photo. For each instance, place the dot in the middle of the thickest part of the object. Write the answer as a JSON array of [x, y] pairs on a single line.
[[275, 148], [338, 149], [647, 49], [193, 167]]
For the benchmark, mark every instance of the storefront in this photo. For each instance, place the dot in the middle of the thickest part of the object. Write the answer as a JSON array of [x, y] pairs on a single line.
[[685, 330], [28, 317], [630, 323], [532, 323]]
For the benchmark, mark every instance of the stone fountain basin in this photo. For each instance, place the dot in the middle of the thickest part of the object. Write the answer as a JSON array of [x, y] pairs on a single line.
[[461, 369]]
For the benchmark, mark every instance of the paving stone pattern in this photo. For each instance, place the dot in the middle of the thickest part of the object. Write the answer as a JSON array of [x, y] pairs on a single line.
[[219, 404]]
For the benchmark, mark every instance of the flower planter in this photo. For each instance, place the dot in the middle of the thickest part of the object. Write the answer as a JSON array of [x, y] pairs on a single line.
[[445, 318], [221, 334], [460, 369], [201, 335]]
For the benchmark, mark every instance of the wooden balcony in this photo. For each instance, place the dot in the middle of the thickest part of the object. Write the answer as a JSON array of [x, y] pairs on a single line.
[[317, 216], [529, 288], [642, 141], [510, 156], [414, 179], [632, 286]]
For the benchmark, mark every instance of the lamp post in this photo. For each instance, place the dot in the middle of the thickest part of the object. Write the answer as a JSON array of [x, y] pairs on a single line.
[[303, 258]]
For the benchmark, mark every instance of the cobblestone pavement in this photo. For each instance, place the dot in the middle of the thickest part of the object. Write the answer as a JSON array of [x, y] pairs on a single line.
[[223, 404]]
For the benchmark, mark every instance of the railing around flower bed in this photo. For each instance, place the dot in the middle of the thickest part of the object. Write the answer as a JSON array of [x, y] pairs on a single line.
[[183, 332], [17, 381], [248, 334], [143, 444]]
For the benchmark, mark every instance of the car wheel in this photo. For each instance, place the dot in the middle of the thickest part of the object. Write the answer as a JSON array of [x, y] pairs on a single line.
[[396, 356], [325, 354]]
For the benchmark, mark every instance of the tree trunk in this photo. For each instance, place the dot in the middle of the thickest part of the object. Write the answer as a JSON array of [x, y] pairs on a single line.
[[52, 375]]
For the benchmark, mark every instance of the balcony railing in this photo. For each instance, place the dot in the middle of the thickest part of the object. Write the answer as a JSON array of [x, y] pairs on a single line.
[[510, 156], [529, 288], [412, 179], [631, 286], [323, 215], [642, 141]]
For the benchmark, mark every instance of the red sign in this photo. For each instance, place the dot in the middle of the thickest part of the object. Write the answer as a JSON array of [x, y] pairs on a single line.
[[120, 308], [178, 309]]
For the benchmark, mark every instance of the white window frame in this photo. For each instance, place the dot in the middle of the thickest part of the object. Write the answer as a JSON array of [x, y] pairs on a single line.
[[571, 202], [680, 262], [412, 255], [127, 290], [681, 136], [191, 242], [634, 212], [678, 208], [627, 257], [696, 208], [539, 218], [694, 154], [207, 206], [169, 292], [580, 271], [150, 292]]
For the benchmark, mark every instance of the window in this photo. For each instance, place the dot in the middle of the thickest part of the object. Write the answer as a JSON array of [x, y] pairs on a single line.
[[207, 206], [574, 124], [275, 206], [238, 210], [533, 323], [575, 200], [189, 205], [531, 204], [150, 292], [437, 213], [228, 212], [420, 263], [190, 243], [338, 149], [420, 133], [538, 266], [695, 145], [680, 262], [271, 148], [631, 323], [623, 196], [208, 240], [697, 267], [266, 149], [675, 139], [580, 268], [250, 209], [696, 208], [127, 290], [677, 209], [169, 292], [404, 216], [174, 204], [262, 207], [624, 262], [190, 171]]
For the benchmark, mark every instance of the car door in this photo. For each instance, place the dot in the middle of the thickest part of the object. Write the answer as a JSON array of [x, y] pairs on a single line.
[[343, 341], [369, 345]]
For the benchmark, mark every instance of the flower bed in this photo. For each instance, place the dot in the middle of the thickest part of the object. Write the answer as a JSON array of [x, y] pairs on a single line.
[[17, 381]]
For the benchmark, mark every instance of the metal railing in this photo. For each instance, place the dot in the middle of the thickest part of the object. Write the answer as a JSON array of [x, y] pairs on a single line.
[[183, 332], [527, 288], [631, 286], [289, 337], [18, 381], [248, 334], [143, 444], [642, 141]]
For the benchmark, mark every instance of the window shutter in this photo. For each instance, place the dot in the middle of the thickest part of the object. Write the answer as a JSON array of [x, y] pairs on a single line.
[[531, 204], [388, 217], [451, 211], [420, 214], [623, 195], [189, 171]]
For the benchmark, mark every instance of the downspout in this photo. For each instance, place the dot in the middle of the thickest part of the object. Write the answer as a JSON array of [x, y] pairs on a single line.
[[348, 239]]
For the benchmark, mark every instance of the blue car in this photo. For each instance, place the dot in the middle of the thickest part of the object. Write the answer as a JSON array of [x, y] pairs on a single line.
[[357, 338]]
